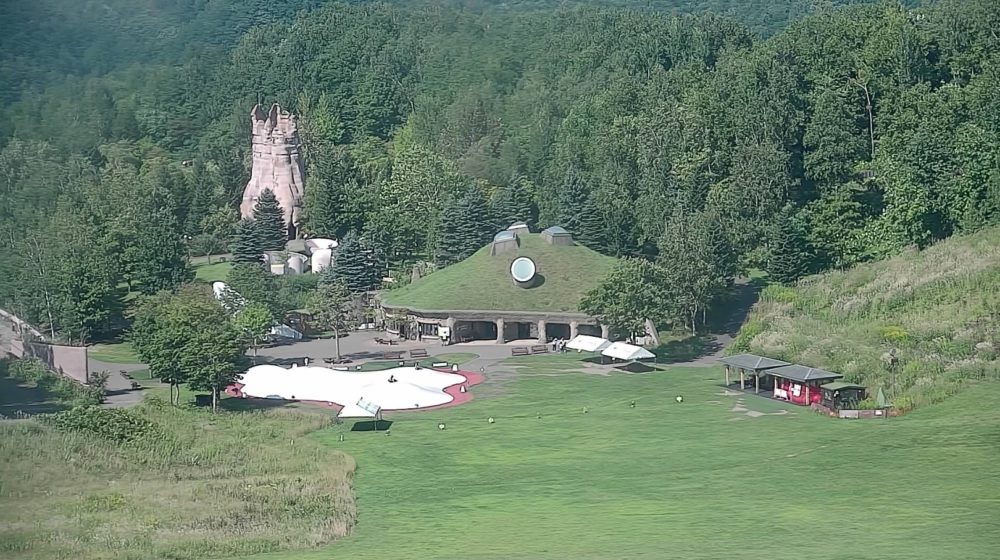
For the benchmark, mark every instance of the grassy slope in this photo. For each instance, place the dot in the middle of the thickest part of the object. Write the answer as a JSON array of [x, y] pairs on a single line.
[[116, 353], [483, 282], [212, 486], [666, 480], [215, 272], [933, 306]]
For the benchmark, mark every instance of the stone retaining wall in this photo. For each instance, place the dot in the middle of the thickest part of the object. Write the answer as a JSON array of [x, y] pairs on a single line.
[[71, 361]]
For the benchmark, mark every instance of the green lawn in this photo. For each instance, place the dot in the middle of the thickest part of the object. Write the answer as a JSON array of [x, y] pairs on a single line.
[[482, 281], [695, 480], [215, 272], [119, 353]]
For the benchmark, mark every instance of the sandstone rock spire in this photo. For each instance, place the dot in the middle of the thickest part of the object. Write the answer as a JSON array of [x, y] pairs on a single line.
[[277, 164]]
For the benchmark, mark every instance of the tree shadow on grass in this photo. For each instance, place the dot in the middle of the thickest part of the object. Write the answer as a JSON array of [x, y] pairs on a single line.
[[23, 398], [686, 350], [371, 426], [236, 404]]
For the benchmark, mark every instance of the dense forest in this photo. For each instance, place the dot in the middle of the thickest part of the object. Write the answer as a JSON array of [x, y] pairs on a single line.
[[682, 139]]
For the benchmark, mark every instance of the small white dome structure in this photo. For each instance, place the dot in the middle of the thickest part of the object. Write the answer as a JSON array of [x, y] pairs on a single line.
[[321, 258], [313, 245], [297, 263]]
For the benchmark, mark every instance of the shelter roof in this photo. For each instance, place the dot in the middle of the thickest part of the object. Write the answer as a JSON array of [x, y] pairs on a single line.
[[839, 386], [623, 351], [752, 361], [586, 343], [504, 235], [795, 372], [555, 230]]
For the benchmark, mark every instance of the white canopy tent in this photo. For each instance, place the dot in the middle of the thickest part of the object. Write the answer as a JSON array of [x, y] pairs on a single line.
[[627, 352], [584, 343]]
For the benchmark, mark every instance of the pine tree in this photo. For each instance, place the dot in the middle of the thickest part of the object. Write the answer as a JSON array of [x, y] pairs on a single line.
[[578, 213], [353, 266], [791, 256], [512, 203], [449, 241], [270, 222], [465, 227], [245, 244]]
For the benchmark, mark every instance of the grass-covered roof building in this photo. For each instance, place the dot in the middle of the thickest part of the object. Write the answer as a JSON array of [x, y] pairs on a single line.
[[521, 286]]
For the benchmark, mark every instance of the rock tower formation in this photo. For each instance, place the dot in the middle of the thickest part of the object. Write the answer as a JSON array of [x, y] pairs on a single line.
[[277, 164]]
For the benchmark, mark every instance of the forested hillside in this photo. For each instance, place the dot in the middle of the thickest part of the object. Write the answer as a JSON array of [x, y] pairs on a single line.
[[844, 137]]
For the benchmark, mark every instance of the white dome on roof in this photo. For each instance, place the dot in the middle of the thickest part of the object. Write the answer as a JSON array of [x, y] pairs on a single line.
[[316, 244]]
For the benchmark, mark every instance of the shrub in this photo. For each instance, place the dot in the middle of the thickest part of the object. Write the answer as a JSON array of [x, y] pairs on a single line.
[[118, 425], [749, 331], [867, 404], [894, 334], [782, 294], [62, 388]]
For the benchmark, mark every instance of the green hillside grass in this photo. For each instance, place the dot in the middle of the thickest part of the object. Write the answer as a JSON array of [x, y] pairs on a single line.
[[202, 485], [939, 308], [483, 281]]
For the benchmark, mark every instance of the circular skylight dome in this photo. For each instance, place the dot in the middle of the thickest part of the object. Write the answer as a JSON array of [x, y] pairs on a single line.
[[522, 269]]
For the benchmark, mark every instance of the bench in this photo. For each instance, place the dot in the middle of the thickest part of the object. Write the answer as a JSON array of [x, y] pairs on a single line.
[[418, 353], [392, 355], [387, 341], [439, 364], [519, 351], [539, 349]]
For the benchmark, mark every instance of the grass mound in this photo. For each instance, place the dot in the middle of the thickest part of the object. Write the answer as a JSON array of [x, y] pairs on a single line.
[[182, 483], [483, 281], [939, 309]]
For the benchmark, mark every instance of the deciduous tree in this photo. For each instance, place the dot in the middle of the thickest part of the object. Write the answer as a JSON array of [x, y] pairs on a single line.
[[331, 306], [187, 337], [254, 322], [635, 290]]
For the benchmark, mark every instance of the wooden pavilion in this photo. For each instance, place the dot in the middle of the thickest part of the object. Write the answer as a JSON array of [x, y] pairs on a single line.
[[751, 364]]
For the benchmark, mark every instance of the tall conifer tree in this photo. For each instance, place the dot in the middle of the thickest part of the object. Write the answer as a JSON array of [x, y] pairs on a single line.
[[466, 226], [270, 222], [245, 244], [578, 213], [353, 265]]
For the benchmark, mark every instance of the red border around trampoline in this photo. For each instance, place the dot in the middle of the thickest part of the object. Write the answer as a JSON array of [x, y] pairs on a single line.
[[455, 391]]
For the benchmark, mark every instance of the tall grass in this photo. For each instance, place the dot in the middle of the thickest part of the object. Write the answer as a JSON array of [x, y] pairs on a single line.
[[937, 309], [204, 486]]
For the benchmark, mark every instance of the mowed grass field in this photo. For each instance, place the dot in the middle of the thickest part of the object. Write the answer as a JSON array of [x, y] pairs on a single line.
[[695, 480], [116, 353]]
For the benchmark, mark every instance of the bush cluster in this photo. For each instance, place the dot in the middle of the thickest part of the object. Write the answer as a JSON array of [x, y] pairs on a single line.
[[117, 425], [61, 388]]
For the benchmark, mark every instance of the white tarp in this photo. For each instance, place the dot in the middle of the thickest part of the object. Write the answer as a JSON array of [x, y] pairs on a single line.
[[622, 351], [584, 343]]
